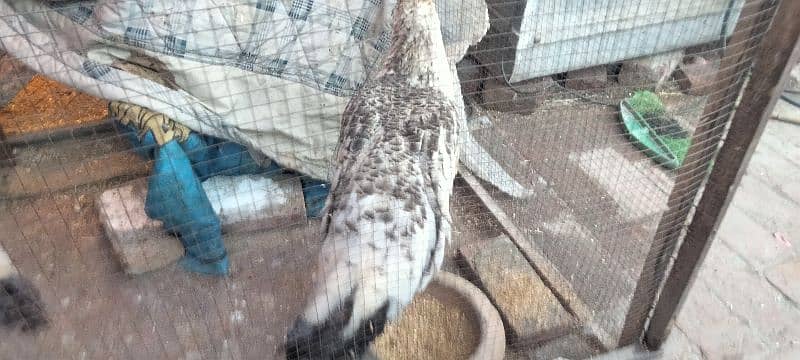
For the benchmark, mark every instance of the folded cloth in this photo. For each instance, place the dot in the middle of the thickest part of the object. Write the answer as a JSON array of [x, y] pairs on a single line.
[[176, 197], [182, 160]]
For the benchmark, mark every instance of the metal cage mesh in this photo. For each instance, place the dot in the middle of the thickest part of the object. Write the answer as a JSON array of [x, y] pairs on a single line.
[[563, 218]]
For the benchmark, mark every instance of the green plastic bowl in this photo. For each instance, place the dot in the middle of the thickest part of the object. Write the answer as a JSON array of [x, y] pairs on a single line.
[[646, 138]]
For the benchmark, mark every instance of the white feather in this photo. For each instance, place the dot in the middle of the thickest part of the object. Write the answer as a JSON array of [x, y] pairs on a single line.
[[7, 268]]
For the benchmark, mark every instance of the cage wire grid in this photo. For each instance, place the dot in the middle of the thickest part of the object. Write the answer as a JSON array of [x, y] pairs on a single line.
[[567, 268]]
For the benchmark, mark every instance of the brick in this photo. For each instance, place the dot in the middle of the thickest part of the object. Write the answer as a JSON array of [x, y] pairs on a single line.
[[686, 110], [537, 86], [634, 74], [529, 309], [497, 95], [697, 75], [141, 244], [649, 72], [253, 203], [589, 78], [785, 278]]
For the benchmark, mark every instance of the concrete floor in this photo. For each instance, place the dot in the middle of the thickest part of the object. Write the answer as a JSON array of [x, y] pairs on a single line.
[[742, 305], [745, 303], [598, 198]]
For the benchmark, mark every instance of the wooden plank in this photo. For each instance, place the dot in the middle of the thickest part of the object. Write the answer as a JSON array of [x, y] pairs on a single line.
[[24, 181], [558, 284], [779, 50], [93, 131], [504, 274], [734, 65]]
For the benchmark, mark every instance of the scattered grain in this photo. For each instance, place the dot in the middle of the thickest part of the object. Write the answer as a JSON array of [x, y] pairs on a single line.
[[46, 104], [520, 295], [429, 329]]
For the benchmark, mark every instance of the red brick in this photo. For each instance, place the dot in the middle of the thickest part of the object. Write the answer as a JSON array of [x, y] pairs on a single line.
[[697, 75], [589, 78], [141, 244], [523, 98], [649, 71]]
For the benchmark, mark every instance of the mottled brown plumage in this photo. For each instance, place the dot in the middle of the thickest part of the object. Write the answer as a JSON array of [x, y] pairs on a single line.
[[392, 178]]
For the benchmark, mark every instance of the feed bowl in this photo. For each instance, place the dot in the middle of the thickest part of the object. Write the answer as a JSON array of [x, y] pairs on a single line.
[[451, 320]]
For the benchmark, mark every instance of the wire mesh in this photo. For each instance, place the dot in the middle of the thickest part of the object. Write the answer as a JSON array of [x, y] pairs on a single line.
[[234, 120]]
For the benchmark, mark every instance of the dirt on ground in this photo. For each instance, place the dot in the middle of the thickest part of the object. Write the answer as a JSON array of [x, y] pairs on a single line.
[[598, 197], [597, 204], [429, 329], [98, 311], [45, 104]]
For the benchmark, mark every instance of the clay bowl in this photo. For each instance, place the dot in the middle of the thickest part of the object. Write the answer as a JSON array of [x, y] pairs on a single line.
[[452, 290]]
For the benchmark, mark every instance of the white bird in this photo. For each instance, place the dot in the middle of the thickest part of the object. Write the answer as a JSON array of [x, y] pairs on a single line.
[[387, 218]]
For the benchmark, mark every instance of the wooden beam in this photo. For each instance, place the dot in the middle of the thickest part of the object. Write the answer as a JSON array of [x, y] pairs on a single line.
[[27, 180], [555, 281], [104, 128], [773, 59], [734, 66]]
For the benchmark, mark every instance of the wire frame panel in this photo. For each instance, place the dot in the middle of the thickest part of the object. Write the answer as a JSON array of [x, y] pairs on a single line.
[[277, 178]]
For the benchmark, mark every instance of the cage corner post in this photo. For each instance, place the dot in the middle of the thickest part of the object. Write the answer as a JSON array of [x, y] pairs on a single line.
[[650, 317]]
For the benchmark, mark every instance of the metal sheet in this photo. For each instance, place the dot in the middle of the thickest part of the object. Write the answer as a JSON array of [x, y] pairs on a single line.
[[562, 35]]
